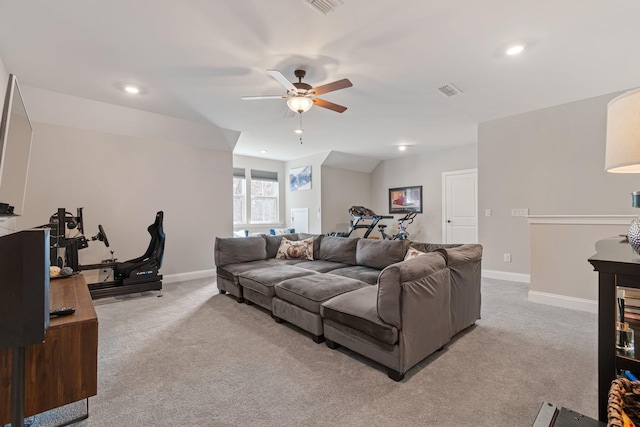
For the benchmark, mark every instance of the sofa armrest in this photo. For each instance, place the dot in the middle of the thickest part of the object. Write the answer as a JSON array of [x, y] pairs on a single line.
[[426, 316], [465, 263], [392, 279]]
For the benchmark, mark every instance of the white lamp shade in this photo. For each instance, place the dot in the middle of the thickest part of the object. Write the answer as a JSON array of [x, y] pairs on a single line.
[[300, 104], [622, 153]]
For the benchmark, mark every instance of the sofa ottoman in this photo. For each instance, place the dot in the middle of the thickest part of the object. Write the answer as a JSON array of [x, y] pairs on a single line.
[[258, 284], [298, 300]]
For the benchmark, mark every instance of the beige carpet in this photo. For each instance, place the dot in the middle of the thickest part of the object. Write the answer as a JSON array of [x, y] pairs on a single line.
[[194, 357]]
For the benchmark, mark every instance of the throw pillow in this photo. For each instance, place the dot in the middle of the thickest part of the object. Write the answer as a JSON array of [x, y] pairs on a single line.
[[412, 253], [290, 249], [281, 231]]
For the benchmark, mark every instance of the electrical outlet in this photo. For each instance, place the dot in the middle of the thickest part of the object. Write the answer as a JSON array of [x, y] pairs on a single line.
[[520, 212], [507, 257], [487, 212]]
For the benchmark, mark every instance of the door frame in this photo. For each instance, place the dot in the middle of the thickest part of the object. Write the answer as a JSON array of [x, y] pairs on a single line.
[[444, 199]]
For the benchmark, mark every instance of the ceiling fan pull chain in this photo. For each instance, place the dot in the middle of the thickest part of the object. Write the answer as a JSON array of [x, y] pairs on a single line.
[[300, 128]]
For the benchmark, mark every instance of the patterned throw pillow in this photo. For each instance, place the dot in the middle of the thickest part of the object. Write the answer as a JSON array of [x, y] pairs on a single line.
[[412, 253], [301, 249]]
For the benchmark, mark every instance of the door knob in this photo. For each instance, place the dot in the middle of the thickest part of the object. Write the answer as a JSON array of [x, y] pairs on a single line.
[[448, 220]]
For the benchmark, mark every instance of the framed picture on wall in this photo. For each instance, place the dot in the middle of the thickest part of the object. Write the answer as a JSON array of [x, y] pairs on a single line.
[[300, 178], [405, 199]]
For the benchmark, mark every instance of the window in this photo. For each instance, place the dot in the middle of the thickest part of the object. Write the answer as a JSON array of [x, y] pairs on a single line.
[[264, 196], [263, 203], [239, 196]]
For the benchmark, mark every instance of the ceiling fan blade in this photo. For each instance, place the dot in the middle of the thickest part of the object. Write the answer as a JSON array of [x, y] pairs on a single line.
[[330, 105], [330, 87], [251, 98], [280, 78]]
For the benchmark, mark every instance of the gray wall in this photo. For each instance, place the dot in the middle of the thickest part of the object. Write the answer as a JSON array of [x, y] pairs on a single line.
[[122, 177], [342, 189], [420, 169], [122, 182], [4, 78], [550, 161], [311, 199]]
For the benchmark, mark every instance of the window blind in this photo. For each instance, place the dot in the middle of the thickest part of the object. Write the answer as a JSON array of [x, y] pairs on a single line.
[[238, 173], [264, 175]]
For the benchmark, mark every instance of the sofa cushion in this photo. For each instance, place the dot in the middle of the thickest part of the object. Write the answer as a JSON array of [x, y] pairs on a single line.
[[231, 271], [316, 241], [264, 279], [358, 310], [338, 249], [321, 266], [295, 249], [278, 261], [380, 253], [310, 291], [412, 253], [365, 274], [273, 243], [232, 250]]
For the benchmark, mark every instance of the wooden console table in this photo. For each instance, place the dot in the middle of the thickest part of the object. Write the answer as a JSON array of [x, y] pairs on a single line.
[[617, 265], [64, 369]]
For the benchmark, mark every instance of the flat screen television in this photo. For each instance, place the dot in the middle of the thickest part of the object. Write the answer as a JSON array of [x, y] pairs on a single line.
[[15, 150]]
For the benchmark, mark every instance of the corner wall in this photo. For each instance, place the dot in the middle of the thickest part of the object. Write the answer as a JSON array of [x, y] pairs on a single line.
[[4, 79], [550, 161], [311, 199], [342, 189], [122, 177], [422, 169]]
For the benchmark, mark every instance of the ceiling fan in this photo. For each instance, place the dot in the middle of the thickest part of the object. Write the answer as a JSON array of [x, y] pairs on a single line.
[[302, 96]]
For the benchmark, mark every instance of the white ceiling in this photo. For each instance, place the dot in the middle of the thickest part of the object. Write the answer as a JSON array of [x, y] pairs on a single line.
[[196, 58]]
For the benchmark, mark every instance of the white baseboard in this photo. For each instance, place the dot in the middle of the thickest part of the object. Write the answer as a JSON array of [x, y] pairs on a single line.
[[564, 301], [190, 275], [505, 275]]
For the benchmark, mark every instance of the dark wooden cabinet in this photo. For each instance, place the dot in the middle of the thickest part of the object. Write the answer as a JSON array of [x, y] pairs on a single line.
[[64, 369], [617, 266]]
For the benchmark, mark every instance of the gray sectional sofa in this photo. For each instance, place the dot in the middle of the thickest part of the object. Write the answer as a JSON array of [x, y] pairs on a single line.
[[360, 293]]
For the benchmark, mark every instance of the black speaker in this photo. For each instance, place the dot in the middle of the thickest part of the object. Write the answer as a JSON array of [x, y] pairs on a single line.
[[24, 288]]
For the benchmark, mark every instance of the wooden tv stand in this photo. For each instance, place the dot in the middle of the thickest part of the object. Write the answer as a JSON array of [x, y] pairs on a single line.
[[63, 369]]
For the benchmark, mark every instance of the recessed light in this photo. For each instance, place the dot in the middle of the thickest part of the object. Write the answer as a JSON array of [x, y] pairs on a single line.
[[298, 131], [514, 50], [263, 151], [402, 147], [132, 89]]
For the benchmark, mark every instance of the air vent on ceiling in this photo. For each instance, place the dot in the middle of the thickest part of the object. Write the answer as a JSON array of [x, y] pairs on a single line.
[[450, 90], [324, 6]]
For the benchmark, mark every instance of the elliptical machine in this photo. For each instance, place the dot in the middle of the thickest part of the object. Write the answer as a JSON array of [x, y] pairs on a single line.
[[402, 233]]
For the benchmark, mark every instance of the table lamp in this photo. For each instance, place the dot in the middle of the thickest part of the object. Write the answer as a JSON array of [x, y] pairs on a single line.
[[622, 154]]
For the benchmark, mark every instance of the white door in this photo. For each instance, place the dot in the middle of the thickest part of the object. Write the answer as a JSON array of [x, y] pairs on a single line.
[[300, 220], [460, 206]]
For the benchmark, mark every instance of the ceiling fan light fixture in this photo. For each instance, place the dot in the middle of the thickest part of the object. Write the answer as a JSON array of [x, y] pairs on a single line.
[[298, 131], [300, 104]]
